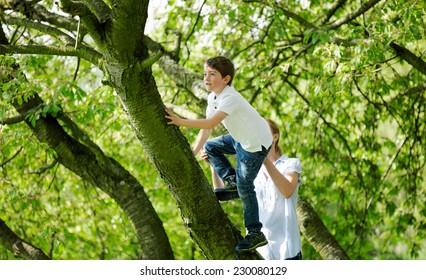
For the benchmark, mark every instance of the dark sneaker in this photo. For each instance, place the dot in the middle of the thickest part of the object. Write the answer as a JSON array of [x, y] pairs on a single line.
[[228, 192], [224, 194], [251, 242]]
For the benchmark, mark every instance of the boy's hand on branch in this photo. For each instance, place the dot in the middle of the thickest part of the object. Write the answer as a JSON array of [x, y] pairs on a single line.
[[172, 117]]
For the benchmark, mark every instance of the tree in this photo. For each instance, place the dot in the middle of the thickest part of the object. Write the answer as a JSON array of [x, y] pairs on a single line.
[[344, 80], [125, 60]]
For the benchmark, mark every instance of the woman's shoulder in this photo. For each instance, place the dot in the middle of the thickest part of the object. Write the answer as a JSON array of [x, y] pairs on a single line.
[[290, 164]]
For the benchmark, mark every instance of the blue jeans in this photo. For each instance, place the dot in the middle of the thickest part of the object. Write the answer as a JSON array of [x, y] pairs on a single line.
[[248, 165]]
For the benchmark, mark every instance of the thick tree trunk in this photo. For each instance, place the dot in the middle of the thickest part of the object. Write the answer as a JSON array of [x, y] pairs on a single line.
[[19, 247], [129, 71]]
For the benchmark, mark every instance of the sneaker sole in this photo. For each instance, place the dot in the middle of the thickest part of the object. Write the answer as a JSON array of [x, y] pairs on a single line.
[[251, 249]]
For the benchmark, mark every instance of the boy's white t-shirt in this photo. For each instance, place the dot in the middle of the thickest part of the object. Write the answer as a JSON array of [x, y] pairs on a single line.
[[278, 214], [243, 122]]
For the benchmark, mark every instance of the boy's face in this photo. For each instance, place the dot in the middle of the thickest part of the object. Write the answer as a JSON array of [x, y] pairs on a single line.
[[213, 80]]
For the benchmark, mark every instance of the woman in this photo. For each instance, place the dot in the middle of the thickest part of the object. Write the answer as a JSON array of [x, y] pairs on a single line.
[[277, 185]]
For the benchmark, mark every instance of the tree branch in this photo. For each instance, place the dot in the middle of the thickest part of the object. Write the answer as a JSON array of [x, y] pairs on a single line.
[[21, 117], [99, 9], [12, 120], [69, 41], [288, 13], [414, 90], [189, 81], [41, 27], [3, 39], [348, 43], [90, 21], [54, 19], [12, 157], [39, 13], [332, 11], [317, 234], [193, 29], [148, 62], [409, 57], [44, 169], [296, 17], [80, 134], [364, 8], [88, 54], [18, 246], [334, 25]]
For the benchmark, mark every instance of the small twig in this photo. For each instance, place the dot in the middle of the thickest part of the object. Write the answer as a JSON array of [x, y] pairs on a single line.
[[45, 168], [78, 33], [12, 157]]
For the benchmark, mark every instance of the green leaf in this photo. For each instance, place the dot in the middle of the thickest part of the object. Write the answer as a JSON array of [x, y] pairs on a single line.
[[415, 32]]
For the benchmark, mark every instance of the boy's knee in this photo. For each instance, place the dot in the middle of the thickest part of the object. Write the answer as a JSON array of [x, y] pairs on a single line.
[[207, 146]]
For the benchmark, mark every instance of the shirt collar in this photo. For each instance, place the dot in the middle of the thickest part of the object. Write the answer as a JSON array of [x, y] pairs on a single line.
[[225, 89], [282, 158]]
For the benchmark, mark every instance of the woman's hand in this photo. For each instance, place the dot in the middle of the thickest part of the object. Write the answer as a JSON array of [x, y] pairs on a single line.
[[204, 155]]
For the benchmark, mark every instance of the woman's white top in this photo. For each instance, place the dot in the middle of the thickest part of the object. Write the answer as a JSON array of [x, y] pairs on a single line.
[[278, 214]]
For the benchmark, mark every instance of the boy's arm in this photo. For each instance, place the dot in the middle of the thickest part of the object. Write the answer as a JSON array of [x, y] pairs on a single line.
[[200, 123], [202, 137]]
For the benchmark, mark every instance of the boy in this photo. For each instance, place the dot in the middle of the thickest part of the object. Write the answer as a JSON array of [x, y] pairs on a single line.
[[249, 138]]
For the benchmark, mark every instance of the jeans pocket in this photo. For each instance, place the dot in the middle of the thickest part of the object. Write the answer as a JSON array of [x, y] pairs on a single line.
[[250, 164]]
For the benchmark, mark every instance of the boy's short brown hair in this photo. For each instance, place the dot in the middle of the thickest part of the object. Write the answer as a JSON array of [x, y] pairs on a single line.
[[222, 64]]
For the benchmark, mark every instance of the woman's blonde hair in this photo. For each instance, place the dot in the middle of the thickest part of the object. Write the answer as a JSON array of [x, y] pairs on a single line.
[[275, 131]]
